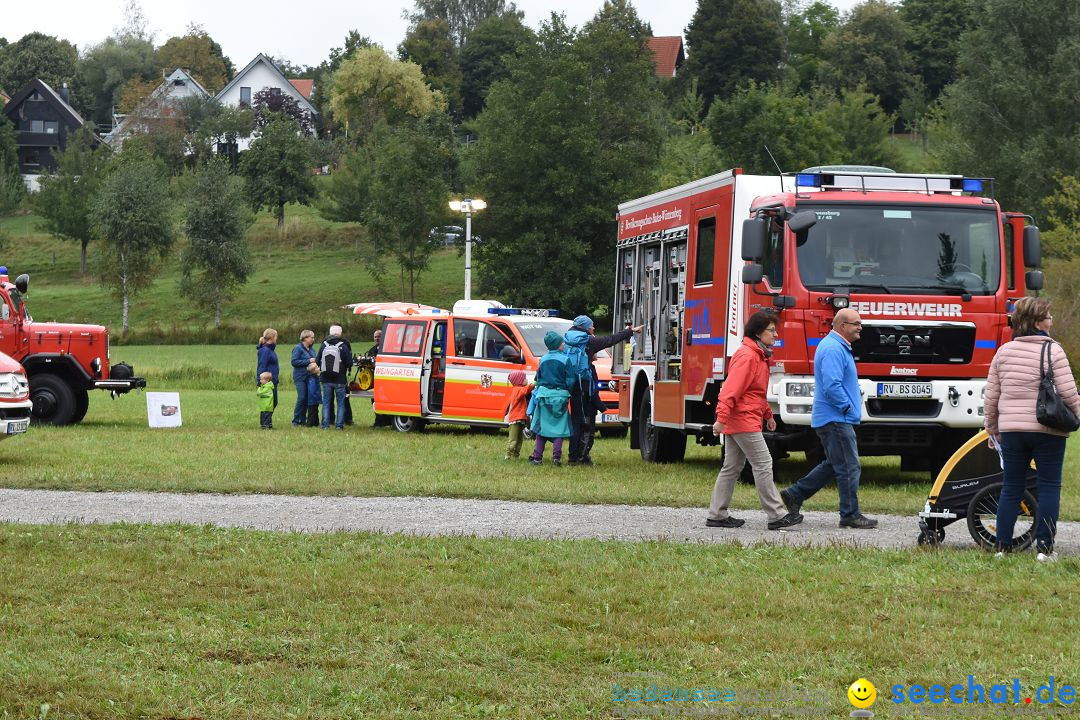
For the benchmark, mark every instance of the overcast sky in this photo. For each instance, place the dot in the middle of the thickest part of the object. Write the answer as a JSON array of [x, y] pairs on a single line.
[[300, 32]]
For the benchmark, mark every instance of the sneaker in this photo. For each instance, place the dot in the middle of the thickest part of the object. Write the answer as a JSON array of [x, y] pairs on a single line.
[[587, 461], [728, 522], [534, 461], [793, 506], [556, 463], [785, 522], [859, 522], [1046, 557]]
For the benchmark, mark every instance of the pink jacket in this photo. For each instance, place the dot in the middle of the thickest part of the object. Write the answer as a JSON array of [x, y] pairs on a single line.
[[1013, 386], [742, 405]]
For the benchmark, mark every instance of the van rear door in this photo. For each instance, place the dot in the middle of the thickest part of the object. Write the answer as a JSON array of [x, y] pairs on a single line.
[[399, 367]]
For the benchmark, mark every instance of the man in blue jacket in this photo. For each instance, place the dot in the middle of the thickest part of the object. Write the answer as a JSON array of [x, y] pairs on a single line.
[[837, 410]]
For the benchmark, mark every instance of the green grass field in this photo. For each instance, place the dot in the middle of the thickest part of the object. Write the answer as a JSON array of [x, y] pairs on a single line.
[[166, 622], [221, 449]]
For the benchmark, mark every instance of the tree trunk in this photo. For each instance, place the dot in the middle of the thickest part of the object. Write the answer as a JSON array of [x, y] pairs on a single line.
[[280, 215], [217, 313], [82, 258], [403, 283], [123, 295]]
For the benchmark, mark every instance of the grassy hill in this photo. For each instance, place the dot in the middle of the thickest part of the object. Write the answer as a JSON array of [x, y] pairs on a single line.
[[310, 273]]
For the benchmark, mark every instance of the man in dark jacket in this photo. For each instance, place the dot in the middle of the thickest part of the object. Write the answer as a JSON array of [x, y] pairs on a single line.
[[582, 406], [335, 358]]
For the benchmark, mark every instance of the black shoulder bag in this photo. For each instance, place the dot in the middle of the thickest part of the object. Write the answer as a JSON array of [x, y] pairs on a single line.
[[1049, 408]]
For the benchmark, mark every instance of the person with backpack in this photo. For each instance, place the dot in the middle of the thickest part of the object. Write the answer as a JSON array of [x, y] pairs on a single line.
[[334, 359], [581, 345], [547, 407]]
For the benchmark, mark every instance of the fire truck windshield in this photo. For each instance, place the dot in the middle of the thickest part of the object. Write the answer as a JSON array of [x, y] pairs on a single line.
[[534, 330], [895, 249]]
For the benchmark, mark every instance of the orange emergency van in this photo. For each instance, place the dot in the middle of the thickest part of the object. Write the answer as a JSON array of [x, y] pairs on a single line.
[[453, 368]]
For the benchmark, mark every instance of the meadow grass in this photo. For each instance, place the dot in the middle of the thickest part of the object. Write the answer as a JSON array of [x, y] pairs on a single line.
[[168, 622], [221, 449]]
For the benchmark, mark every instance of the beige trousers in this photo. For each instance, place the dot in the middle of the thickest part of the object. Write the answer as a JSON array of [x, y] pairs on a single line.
[[739, 448]]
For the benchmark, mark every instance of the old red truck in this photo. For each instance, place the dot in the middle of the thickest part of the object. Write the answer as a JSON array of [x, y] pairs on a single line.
[[931, 263], [63, 361]]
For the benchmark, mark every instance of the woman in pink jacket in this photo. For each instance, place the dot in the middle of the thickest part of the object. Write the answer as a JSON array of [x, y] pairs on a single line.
[[1011, 392], [740, 411]]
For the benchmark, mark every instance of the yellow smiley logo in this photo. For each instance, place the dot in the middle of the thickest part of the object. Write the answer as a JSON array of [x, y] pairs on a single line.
[[862, 693]]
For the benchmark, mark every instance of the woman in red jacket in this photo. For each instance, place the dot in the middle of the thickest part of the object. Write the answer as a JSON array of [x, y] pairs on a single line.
[[740, 411]]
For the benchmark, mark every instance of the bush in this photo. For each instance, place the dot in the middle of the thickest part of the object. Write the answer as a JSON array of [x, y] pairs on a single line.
[[1063, 288], [357, 329]]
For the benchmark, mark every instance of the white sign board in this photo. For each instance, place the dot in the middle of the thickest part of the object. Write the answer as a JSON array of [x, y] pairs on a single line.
[[163, 409]]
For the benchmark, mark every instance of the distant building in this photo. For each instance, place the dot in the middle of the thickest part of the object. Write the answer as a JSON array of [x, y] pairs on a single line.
[[158, 105], [43, 120], [262, 73], [668, 54]]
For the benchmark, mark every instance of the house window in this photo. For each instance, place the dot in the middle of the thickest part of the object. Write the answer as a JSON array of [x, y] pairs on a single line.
[[34, 96], [31, 157], [245, 96], [52, 127], [275, 92], [37, 126]]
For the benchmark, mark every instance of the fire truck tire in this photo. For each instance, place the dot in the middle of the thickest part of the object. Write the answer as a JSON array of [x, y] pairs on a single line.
[[54, 400], [82, 404], [658, 444], [407, 424]]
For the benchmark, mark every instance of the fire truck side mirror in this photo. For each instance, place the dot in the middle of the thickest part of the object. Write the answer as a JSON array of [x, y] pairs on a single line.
[[1032, 247], [755, 231], [752, 273], [23, 281], [801, 221], [1033, 279]]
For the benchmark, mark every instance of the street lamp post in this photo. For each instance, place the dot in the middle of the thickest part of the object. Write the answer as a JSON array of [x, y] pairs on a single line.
[[468, 206]]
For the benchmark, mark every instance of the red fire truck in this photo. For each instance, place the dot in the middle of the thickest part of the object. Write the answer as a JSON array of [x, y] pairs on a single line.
[[930, 262]]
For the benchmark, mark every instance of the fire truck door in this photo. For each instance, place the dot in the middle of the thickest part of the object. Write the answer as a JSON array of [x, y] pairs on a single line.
[[668, 401], [8, 336]]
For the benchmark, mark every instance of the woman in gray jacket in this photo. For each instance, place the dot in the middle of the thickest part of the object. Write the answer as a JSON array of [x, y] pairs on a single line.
[[1011, 392]]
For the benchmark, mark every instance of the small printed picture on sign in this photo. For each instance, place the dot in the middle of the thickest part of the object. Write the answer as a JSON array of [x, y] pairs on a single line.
[[163, 409]]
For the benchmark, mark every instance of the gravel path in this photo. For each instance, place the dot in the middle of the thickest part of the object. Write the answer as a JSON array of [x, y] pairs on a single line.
[[442, 516]]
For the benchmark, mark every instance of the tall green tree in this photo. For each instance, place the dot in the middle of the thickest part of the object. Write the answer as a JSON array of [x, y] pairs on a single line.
[[870, 48], [430, 45], [199, 53], [216, 260], [1011, 114], [485, 57], [132, 216], [573, 131], [863, 128], [934, 31], [462, 16], [732, 42], [37, 55], [65, 198], [806, 25], [370, 87], [106, 68], [12, 188], [278, 169]]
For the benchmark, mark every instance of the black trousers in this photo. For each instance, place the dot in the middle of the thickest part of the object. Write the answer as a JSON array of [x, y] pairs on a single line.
[[266, 420], [578, 408]]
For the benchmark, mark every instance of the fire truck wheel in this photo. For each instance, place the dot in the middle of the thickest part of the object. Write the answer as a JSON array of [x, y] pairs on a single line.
[[658, 444], [82, 404], [406, 424], [54, 401]]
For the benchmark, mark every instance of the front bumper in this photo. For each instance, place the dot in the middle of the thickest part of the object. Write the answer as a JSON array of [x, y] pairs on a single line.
[[14, 418], [120, 387]]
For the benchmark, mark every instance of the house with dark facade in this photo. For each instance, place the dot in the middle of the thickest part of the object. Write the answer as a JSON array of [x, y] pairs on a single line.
[[43, 121]]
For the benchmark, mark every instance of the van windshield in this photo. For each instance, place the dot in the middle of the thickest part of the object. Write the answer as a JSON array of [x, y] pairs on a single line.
[[896, 249], [534, 330]]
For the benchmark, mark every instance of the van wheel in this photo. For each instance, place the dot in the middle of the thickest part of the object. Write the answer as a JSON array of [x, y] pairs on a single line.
[[658, 444], [406, 424], [54, 400]]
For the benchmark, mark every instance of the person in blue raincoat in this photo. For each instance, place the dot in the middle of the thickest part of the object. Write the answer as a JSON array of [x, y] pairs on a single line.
[[550, 418]]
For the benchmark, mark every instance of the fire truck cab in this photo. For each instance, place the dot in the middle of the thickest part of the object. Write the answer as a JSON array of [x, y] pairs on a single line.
[[930, 262], [454, 368]]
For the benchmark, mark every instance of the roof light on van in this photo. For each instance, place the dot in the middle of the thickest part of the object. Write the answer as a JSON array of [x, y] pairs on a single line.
[[973, 185], [808, 180], [532, 312]]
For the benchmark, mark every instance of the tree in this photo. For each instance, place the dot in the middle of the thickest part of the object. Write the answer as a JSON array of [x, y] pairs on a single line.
[[107, 68], [207, 123], [574, 130], [324, 71], [685, 158], [65, 198], [1011, 113], [862, 126], [200, 54], [806, 26], [278, 169], [934, 31], [429, 45], [485, 56], [1061, 239], [132, 217], [216, 261], [870, 48], [462, 16], [759, 115], [731, 42], [370, 86], [37, 55], [271, 102], [12, 187]]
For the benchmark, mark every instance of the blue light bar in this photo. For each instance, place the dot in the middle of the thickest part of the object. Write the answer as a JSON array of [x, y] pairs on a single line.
[[808, 180], [973, 185], [531, 312]]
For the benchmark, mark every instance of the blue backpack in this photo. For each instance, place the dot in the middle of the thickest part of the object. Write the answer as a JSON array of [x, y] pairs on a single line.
[[577, 361]]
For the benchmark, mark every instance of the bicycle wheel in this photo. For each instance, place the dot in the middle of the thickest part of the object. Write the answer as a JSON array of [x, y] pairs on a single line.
[[982, 518]]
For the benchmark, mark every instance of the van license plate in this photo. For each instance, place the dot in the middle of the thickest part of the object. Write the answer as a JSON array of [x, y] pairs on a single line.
[[14, 428], [904, 390]]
